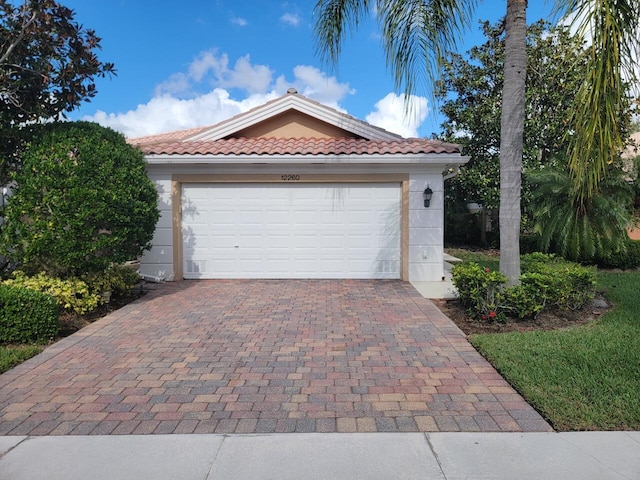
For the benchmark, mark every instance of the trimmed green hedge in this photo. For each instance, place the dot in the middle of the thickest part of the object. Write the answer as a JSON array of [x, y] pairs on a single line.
[[27, 316]]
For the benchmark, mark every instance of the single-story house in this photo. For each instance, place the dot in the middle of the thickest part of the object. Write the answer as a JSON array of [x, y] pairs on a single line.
[[295, 189]]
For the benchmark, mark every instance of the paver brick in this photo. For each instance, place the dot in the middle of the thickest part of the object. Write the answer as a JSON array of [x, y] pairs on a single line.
[[227, 356]]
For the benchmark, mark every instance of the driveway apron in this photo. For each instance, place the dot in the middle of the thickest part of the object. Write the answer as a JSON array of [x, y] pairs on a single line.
[[262, 356]]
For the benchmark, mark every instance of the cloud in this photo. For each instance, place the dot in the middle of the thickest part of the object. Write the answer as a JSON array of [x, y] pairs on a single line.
[[291, 19], [201, 95], [165, 113], [204, 95], [312, 83], [240, 22], [210, 69], [391, 114]]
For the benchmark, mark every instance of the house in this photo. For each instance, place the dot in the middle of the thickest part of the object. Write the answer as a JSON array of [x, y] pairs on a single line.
[[295, 189]]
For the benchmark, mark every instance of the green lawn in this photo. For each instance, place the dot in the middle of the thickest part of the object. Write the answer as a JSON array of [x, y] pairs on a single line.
[[583, 378], [12, 356]]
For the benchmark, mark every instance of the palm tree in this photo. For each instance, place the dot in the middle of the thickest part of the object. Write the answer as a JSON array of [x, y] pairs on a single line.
[[417, 33]]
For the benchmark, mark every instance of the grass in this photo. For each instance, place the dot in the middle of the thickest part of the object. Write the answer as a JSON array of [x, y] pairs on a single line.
[[12, 356], [583, 378], [482, 258]]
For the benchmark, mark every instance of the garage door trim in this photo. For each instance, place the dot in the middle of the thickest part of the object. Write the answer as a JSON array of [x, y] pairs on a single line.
[[176, 201]]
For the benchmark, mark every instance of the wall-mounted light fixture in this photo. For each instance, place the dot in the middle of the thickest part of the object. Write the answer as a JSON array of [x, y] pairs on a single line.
[[428, 193]]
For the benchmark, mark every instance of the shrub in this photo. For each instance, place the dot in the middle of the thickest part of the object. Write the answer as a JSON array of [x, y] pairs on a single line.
[[627, 259], [71, 294], [547, 282], [479, 290], [81, 202], [117, 279], [27, 315]]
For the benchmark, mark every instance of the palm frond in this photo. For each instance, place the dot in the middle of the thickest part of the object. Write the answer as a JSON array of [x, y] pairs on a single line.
[[334, 19], [575, 230], [416, 34], [611, 29]]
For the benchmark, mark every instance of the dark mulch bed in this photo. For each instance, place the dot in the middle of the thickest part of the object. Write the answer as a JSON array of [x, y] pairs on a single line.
[[72, 322], [552, 320]]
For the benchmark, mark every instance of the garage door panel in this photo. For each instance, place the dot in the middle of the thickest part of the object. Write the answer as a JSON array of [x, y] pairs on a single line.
[[291, 231]]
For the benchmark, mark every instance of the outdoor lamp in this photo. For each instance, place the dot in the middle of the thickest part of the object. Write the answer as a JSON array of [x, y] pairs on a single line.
[[428, 193]]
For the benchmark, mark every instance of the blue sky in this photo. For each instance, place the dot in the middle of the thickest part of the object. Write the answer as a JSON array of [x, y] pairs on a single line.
[[195, 62]]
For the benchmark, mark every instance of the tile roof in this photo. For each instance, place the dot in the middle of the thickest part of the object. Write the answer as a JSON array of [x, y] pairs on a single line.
[[175, 144]]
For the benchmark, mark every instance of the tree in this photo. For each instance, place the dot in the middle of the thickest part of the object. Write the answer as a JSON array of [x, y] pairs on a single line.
[[470, 95], [416, 36], [47, 61], [81, 202], [48, 66]]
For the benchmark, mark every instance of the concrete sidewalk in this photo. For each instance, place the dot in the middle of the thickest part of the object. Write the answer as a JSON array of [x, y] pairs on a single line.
[[446, 456]]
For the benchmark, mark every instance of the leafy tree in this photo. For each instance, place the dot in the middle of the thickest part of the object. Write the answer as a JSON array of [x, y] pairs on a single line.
[[48, 66], [47, 61], [417, 35], [470, 97], [81, 202]]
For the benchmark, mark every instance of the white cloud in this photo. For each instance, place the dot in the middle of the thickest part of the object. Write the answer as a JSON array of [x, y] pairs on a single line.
[[312, 83], [186, 100], [167, 113], [211, 69], [201, 96], [244, 75], [240, 22], [292, 19], [391, 114]]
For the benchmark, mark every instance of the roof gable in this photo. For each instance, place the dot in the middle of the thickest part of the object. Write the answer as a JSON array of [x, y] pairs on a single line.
[[319, 118]]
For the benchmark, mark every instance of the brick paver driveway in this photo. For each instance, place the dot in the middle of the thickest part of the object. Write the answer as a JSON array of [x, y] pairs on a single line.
[[264, 356]]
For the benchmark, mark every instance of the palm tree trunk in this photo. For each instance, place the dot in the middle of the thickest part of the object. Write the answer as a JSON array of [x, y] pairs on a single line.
[[511, 138]]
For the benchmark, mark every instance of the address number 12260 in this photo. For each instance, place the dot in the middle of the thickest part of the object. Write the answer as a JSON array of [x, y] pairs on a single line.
[[290, 178]]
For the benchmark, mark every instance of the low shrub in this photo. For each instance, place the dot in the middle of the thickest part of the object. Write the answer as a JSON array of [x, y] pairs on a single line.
[[27, 315], [547, 282], [479, 290], [71, 294], [117, 279], [625, 260]]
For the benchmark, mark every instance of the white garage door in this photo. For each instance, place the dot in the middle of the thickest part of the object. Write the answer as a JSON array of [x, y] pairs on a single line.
[[291, 230]]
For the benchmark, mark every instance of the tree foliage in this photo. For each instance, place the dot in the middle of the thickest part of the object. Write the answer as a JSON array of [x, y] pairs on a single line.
[[470, 95], [48, 62], [417, 35], [576, 233], [612, 28], [82, 200]]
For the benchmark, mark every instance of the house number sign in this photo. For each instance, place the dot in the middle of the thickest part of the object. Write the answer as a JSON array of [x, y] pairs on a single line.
[[290, 178]]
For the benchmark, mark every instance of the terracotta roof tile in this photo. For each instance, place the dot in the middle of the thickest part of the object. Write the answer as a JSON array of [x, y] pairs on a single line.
[[176, 136], [173, 144]]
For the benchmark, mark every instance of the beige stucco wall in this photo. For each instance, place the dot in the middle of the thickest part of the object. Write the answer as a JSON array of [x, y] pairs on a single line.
[[293, 124]]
